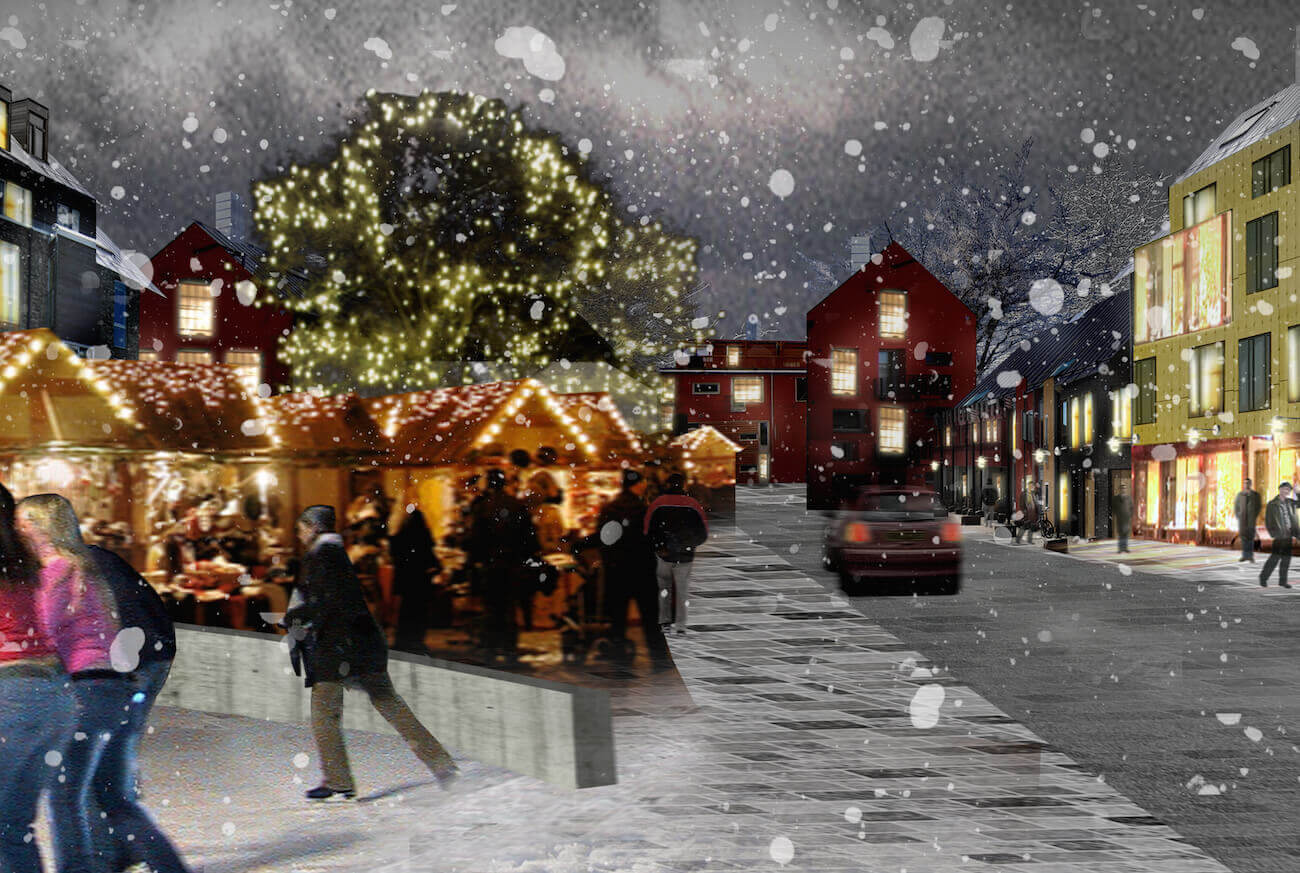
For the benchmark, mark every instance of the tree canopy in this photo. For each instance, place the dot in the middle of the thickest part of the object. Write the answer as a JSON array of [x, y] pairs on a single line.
[[442, 230]]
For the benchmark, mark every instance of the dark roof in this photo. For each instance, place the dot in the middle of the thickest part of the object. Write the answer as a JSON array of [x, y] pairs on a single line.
[[1069, 352], [250, 257], [1254, 125]]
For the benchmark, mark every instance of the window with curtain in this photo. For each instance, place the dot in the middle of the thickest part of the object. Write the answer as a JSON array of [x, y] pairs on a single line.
[[844, 372], [747, 389], [1206, 380], [1223, 488], [195, 309], [1254, 384], [893, 313], [1181, 282], [1261, 253], [1144, 376], [11, 300], [249, 364], [991, 430], [1271, 172], [1199, 206], [733, 356], [18, 204], [193, 356], [891, 435], [1121, 414]]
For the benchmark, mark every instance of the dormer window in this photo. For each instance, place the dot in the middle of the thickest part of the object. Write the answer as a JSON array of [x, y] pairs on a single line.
[[36, 136]]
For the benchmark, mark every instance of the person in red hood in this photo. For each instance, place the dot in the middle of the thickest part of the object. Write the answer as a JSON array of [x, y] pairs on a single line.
[[676, 526]]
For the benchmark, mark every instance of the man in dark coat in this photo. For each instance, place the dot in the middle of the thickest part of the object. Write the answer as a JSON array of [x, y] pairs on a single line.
[[500, 540], [1280, 519], [344, 646], [989, 497], [676, 526], [414, 565], [1121, 515], [1028, 521], [1246, 510], [629, 566]]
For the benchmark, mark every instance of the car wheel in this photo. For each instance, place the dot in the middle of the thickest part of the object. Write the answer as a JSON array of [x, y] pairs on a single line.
[[849, 583]]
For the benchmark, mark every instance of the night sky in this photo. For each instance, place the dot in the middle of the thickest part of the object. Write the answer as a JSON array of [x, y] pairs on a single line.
[[689, 106]]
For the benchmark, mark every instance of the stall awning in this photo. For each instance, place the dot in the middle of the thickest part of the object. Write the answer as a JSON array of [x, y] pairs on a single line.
[[705, 442], [334, 425]]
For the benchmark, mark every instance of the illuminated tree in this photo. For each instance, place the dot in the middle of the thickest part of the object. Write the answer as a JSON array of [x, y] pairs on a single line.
[[442, 230]]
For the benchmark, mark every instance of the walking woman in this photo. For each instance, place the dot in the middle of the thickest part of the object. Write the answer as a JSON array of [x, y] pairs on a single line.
[[35, 701], [77, 610]]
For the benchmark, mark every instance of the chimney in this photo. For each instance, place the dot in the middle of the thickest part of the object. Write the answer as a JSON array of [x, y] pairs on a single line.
[[232, 216], [859, 252], [29, 123]]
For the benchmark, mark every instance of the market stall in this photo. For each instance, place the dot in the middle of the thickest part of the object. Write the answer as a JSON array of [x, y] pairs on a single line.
[[708, 460]]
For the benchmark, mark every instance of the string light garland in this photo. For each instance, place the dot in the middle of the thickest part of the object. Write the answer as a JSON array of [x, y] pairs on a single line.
[[443, 231]]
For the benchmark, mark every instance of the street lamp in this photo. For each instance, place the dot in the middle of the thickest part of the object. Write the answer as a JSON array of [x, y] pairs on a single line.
[[1193, 437], [981, 462], [934, 465], [1040, 456]]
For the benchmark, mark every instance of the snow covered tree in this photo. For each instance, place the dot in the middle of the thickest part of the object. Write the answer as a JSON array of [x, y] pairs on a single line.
[[441, 230]]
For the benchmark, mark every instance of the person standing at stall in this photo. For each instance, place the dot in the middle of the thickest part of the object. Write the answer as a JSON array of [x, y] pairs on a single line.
[[36, 706], [500, 540], [676, 526], [415, 563], [339, 645], [629, 567], [76, 611]]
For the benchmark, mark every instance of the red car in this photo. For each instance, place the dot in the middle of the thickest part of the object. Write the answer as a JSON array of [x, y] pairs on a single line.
[[893, 538]]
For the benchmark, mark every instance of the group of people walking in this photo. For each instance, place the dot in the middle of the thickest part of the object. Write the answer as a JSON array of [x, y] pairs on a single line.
[[85, 647], [1281, 522]]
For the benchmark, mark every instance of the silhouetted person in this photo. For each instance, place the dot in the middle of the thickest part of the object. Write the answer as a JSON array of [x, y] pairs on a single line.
[[1280, 518], [1246, 510], [501, 538], [676, 526], [630, 566], [415, 563]]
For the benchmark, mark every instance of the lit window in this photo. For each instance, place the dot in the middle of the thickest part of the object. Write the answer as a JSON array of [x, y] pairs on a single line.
[[733, 356], [844, 372], [1121, 414], [196, 309], [1181, 282], [4, 125], [66, 216], [1063, 508], [892, 433], [249, 364], [947, 436], [974, 431], [1199, 206], [1206, 379], [11, 303], [991, 430], [148, 355], [1074, 423], [748, 389], [193, 356], [18, 204], [1013, 430], [893, 313], [1088, 432]]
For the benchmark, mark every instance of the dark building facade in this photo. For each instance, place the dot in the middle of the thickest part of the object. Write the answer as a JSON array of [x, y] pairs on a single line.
[[754, 392], [888, 349], [58, 270]]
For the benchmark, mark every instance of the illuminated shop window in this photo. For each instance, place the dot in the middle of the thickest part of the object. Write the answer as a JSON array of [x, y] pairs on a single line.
[[1181, 282]]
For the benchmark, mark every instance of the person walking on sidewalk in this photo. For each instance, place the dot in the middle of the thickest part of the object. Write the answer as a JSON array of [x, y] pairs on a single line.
[[1121, 514], [676, 526], [990, 498], [1246, 510], [1029, 515], [340, 645], [1280, 519]]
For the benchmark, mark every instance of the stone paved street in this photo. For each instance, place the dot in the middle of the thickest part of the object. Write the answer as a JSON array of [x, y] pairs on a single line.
[[810, 725]]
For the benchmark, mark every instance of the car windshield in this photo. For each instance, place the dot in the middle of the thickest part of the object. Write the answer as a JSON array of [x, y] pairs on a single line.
[[896, 501]]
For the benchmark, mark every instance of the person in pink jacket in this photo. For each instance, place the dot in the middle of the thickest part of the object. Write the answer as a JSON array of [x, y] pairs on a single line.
[[76, 612], [35, 700]]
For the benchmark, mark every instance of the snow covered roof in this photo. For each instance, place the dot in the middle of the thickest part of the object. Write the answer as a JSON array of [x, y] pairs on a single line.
[[52, 169], [1255, 124], [109, 256], [325, 425], [251, 257]]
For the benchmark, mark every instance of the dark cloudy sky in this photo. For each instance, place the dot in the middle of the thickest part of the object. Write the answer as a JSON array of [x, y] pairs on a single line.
[[690, 106]]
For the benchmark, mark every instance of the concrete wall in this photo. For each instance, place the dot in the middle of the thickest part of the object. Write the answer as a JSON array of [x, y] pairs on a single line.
[[559, 733]]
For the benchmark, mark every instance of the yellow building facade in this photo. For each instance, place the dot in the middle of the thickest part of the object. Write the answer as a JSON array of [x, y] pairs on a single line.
[[1216, 321]]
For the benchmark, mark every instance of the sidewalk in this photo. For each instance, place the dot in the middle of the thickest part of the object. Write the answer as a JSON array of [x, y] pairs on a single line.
[[1201, 564], [817, 741]]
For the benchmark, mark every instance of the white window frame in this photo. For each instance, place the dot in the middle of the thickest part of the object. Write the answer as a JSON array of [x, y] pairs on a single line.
[[891, 447], [844, 372], [896, 327], [750, 395], [250, 372], [188, 318], [24, 200]]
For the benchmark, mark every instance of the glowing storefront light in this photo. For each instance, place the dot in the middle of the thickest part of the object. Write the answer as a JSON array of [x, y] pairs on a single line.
[[1181, 282]]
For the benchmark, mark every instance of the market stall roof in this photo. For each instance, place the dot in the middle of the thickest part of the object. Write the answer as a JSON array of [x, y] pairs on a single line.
[[202, 408], [451, 425], [705, 441], [51, 397], [337, 425], [599, 416]]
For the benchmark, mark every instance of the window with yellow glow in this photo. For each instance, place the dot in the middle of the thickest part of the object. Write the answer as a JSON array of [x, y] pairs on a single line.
[[249, 364], [148, 355], [195, 309], [991, 430], [844, 372], [947, 436], [1181, 282], [893, 313], [892, 432], [1013, 430], [975, 432], [1293, 364], [1153, 492], [193, 356], [1075, 423], [1187, 492], [11, 301], [18, 204], [1121, 414], [733, 356], [4, 125], [1225, 482], [1286, 472], [1063, 496], [1206, 380], [747, 389], [1088, 433], [1199, 206]]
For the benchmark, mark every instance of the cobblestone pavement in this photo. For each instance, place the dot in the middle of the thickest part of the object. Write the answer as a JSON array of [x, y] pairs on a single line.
[[816, 738], [1169, 670]]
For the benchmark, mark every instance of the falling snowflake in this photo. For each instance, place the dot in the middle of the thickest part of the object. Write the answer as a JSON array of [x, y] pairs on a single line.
[[781, 183]]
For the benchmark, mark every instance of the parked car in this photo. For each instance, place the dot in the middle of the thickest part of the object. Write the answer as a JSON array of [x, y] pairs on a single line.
[[894, 539]]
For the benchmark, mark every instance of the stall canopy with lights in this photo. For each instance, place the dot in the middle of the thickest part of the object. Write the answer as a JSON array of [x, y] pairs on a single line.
[[709, 461]]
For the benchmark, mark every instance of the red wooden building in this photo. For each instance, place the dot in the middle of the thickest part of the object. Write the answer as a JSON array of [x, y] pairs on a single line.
[[753, 392], [209, 281], [888, 349]]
